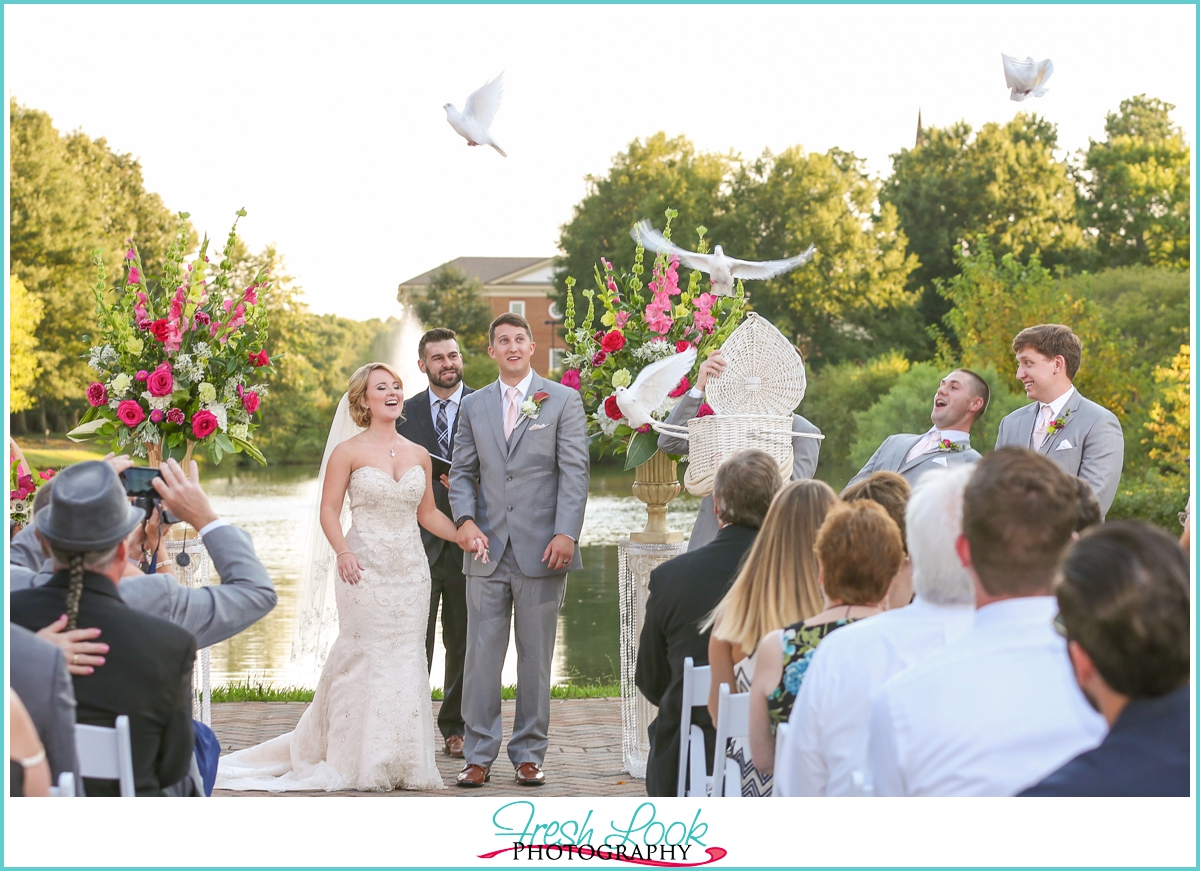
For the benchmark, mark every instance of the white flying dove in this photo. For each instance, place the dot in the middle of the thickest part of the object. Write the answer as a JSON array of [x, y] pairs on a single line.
[[474, 122], [652, 386], [722, 270], [1027, 77]]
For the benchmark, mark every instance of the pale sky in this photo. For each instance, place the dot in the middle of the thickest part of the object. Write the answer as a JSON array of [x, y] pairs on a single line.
[[326, 123]]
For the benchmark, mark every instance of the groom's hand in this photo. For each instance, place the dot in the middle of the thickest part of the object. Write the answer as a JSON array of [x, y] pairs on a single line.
[[559, 552], [467, 533]]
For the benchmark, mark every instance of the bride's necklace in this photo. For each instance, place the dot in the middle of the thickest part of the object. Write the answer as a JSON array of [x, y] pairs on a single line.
[[392, 449]]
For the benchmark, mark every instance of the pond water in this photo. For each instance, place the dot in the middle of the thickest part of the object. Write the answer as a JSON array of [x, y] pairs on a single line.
[[273, 505]]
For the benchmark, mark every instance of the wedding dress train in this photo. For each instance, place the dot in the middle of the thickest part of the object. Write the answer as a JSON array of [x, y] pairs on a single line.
[[370, 724]]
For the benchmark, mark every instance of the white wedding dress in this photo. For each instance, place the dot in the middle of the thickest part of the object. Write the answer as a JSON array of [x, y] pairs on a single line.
[[370, 724]]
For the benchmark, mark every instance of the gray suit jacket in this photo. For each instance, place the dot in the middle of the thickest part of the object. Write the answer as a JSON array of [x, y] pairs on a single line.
[[890, 457], [38, 674], [1091, 445], [528, 489], [804, 463], [244, 596]]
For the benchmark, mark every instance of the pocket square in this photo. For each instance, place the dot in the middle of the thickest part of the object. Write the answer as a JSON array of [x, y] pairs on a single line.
[[1064, 445], [939, 461], [534, 426]]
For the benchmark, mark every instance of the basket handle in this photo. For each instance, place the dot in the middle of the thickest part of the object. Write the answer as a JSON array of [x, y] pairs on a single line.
[[795, 435], [671, 429]]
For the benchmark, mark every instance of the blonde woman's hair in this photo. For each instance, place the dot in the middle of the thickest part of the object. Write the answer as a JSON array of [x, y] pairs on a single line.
[[777, 586], [358, 390]]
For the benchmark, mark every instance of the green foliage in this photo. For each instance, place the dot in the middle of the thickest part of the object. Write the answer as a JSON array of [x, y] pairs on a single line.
[[24, 314], [1153, 496], [455, 300], [1170, 422], [1138, 188]]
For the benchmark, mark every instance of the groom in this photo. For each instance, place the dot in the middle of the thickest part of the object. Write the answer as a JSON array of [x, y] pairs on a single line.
[[519, 478]]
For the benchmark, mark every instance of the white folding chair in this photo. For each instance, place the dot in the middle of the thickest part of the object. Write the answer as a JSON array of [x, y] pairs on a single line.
[[696, 682], [106, 754], [66, 786], [733, 721], [781, 733]]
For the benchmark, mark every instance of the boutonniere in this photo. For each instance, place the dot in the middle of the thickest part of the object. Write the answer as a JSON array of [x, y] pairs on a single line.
[[952, 447], [531, 406], [1058, 423]]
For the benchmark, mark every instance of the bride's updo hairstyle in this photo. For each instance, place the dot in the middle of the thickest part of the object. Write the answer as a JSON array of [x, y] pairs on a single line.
[[358, 391]]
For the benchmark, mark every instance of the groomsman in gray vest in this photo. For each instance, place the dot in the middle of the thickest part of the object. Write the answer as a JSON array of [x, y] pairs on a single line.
[[804, 451], [1083, 438], [960, 400]]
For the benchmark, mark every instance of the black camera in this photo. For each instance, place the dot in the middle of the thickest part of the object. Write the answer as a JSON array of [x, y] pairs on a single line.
[[142, 493]]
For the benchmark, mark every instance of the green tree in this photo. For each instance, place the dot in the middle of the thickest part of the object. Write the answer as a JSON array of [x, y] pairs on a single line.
[[1170, 423], [24, 315], [1003, 183], [1138, 187], [453, 299]]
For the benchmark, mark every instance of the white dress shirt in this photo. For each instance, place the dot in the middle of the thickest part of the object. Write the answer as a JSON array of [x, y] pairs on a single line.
[[451, 406], [989, 714], [826, 745], [1056, 406], [523, 387]]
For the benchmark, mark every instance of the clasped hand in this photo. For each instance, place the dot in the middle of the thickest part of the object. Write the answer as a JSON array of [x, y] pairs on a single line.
[[472, 540]]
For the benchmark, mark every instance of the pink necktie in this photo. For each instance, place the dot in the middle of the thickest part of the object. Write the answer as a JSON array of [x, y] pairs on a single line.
[[1041, 430], [511, 411], [926, 444]]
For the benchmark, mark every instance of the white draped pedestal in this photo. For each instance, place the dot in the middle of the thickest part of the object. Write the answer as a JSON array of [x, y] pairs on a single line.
[[194, 574], [637, 559]]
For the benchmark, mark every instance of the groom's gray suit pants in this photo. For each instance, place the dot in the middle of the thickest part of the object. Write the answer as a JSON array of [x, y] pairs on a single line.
[[534, 604]]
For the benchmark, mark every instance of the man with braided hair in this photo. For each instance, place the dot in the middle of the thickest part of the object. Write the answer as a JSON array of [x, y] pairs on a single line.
[[147, 675]]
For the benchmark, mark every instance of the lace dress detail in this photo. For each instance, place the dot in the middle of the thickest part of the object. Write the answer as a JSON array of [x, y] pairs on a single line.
[[370, 724]]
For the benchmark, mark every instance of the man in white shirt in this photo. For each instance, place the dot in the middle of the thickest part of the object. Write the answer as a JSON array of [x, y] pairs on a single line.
[[961, 399], [997, 710], [825, 752], [1081, 437]]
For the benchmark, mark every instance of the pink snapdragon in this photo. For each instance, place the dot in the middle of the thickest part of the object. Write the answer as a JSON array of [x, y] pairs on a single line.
[[622, 319], [658, 316], [131, 254], [135, 277], [704, 321]]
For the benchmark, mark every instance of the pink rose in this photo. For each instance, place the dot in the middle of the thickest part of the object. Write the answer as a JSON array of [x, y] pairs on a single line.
[[682, 345], [612, 409], [260, 359], [684, 386], [175, 415], [161, 329], [142, 375], [250, 401], [705, 410], [571, 379], [204, 423], [97, 394], [160, 382], [612, 342], [130, 413], [156, 415]]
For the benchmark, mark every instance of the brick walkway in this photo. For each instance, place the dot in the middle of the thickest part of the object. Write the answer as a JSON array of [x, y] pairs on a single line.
[[584, 757]]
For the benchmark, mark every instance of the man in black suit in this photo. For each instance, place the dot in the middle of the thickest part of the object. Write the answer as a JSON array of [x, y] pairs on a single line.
[[430, 419], [147, 674], [1124, 605], [682, 592]]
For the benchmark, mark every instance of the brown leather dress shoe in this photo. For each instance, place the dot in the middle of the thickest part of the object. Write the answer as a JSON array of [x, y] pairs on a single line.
[[454, 746], [530, 774], [473, 776]]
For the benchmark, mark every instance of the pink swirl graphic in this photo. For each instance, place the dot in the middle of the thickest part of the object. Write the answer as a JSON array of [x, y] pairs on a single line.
[[715, 854]]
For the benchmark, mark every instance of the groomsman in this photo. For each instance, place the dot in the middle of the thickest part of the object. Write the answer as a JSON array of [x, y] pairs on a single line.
[[1083, 438], [430, 419], [960, 400]]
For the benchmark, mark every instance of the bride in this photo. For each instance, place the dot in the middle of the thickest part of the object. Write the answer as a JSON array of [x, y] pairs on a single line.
[[370, 724]]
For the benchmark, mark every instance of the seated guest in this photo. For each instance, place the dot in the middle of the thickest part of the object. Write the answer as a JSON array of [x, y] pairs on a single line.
[[682, 592], [960, 400], [826, 749], [38, 674], [891, 491], [29, 773], [997, 710], [804, 450], [1088, 507], [147, 674], [1124, 608], [776, 587], [858, 552]]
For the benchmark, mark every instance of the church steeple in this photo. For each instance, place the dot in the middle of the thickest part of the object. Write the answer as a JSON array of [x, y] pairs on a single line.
[[920, 131]]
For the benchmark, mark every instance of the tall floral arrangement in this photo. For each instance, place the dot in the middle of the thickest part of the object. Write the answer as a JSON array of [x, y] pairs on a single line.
[[181, 361], [640, 325]]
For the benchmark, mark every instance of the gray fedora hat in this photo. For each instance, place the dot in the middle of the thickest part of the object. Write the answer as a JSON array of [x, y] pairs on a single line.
[[88, 509]]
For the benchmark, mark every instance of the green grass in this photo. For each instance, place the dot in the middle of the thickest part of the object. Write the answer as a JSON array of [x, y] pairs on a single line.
[[245, 691], [58, 452]]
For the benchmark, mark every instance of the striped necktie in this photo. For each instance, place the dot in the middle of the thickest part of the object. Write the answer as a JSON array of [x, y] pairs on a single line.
[[442, 427]]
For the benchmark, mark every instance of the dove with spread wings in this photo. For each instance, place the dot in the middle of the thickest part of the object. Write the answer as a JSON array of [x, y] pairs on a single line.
[[651, 387], [474, 122], [1027, 77], [722, 271]]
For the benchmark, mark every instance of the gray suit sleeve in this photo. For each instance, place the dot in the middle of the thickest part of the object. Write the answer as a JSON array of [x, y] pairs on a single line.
[[574, 468], [679, 416], [464, 468], [1103, 458], [867, 469], [60, 743], [805, 452], [25, 550]]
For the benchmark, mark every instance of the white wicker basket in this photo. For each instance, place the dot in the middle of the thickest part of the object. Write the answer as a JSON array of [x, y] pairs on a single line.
[[713, 438]]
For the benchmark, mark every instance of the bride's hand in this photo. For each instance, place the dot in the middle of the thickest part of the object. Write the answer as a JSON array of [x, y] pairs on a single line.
[[480, 550], [349, 568]]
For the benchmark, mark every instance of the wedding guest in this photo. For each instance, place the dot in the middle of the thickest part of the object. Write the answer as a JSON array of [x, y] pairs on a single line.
[[826, 749], [38, 674], [804, 450], [1124, 607], [960, 400], [998, 709], [147, 674], [775, 588], [892, 491], [1079, 436], [682, 592], [859, 549], [430, 419], [1088, 506], [29, 772], [1185, 520]]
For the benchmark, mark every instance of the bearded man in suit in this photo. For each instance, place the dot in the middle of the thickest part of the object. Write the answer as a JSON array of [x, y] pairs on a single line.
[[430, 419]]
